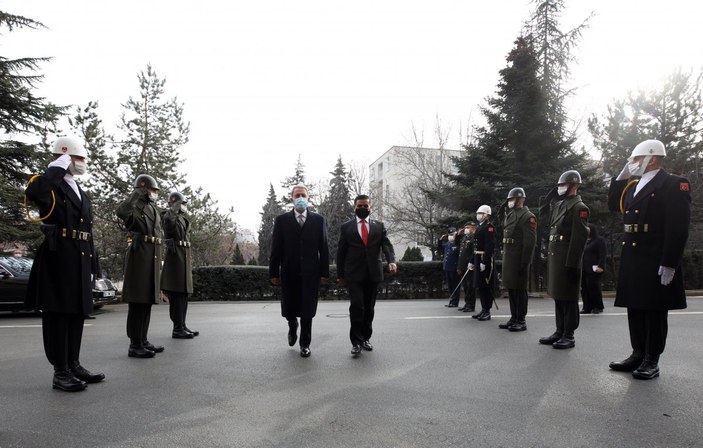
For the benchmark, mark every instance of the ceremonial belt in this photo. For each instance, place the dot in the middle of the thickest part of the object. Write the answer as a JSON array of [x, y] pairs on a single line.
[[182, 243], [146, 239], [75, 234], [635, 228], [557, 237], [508, 240], [479, 252]]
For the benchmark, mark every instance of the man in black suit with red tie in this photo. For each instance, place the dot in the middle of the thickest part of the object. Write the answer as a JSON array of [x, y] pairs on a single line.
[[360, 269], [300, 264]]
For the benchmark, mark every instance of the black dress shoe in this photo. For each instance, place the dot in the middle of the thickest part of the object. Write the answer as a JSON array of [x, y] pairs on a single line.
[[628, 364], [182, 334], [356, 350], [485, 315], [506, 325], [293, 334], [366, 345], [89, 317], [518, 326], [585, 312], [193, 332], [597, 311], [549, 340], [66, 381], [451, 305], [468, 310], [648, 369], [151, 347], [564, 343], [83, 374], [477, 315], [461, 309], [304, 352], [137, 351]]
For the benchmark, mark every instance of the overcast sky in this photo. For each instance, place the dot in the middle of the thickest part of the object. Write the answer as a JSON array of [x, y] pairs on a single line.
[[263, 81]]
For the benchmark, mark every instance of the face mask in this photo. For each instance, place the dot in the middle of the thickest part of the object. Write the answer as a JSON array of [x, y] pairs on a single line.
[[451, 238], [301, 203], [184, 208], [479, 217], [153, 196], [511, 204], [561, 190], [77, 168], [634, 169], [362, 212]]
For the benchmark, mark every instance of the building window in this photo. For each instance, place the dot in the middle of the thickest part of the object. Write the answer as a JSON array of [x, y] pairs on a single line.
[[380, 170]]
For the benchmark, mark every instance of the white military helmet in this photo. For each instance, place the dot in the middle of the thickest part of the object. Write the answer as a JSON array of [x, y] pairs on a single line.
[[484, 209], [648, 148], [69, 145]]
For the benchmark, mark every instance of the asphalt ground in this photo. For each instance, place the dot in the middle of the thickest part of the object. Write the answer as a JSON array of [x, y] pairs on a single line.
[[436, 378]]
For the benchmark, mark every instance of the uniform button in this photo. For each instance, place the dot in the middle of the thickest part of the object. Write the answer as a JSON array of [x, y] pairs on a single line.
[[634, 244], [91, 255], [623, 243], [637, 211], [82, 253], [154, 257], [627, 211], [81, 219]]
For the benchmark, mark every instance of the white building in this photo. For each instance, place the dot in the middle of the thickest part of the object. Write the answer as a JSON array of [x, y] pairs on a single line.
[[397, 180]]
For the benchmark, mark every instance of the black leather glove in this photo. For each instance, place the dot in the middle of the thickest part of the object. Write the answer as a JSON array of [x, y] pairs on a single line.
[[572, 274]]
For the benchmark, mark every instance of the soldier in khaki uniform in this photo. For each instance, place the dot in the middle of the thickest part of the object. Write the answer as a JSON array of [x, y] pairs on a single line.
[[519, 238], [568, 232], [141, 288], [177, 274]]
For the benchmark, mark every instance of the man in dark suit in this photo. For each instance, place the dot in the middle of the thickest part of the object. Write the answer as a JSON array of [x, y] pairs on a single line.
[[300, 264], [656, 209], [360, 269], [60, 280]]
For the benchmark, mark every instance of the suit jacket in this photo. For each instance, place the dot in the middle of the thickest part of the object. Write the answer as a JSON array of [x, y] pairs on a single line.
[[661, 212], [60, 281], [299, 256], [359, 263]]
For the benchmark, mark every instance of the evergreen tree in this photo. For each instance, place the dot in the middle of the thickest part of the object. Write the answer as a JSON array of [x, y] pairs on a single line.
[[268, 217], [298, 178], [252, 261], [21, 114], [337, 207], [237, 258], [412, 254]]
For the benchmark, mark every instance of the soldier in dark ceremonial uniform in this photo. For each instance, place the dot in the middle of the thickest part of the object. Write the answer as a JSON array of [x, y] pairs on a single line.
[[482, 264], [519, 238], [656, 208], [568, 232], [177, 273], [142, 287], [448, 246], [466, 255], [60, 280]]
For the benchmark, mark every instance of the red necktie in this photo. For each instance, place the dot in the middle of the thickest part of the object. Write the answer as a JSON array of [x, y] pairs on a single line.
[[364, 233]]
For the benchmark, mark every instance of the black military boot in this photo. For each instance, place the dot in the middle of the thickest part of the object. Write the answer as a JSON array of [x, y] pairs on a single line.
[[648, 369], [507, 324], [154, 348], [136, 350], [193, 332], [551, 339], [567, 341], [64, 380], [83, 374], [519, 325], [485, 315], [477, 315], [629, 364], [182, 334]]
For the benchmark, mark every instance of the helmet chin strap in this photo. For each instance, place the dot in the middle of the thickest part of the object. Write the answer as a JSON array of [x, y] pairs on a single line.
[[643, 166]]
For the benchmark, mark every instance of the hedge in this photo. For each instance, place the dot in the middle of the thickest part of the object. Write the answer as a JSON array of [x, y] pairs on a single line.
[[414, 280]]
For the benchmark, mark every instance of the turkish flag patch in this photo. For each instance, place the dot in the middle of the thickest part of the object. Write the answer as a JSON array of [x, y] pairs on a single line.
[[683, 186], [583, 214], [491, 229], [533, 222]]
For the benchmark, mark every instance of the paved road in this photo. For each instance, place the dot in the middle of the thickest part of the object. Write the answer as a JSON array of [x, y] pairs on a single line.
[[436, 379]]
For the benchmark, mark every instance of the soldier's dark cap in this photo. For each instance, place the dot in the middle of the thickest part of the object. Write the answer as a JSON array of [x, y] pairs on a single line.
[[451, 229], [470, 223]]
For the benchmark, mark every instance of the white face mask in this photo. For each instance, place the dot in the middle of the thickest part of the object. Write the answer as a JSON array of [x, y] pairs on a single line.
[[153, 196], [77, 167], [479, 217], [451, 238], [184, 208], [561, 190], [634, 169], [511, 204]]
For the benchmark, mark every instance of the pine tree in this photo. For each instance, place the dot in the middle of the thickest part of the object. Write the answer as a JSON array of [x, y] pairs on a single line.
[[268, 217], [298, 178], [237, 258], [337, 207], [22, 114]]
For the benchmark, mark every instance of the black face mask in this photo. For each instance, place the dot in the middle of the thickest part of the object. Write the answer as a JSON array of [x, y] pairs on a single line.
[[362, 213]]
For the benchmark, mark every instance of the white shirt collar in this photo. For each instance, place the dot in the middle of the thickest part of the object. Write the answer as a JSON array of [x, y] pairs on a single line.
[[297, 213], [72, 183], [646, 177]]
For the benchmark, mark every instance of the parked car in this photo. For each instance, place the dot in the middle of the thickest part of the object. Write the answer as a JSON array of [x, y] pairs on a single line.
[[104, 292], [14, 277]]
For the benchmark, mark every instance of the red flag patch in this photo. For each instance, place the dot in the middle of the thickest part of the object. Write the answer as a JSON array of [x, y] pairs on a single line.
[[491, 229], [533, 222], [683, 186], [583, 214]]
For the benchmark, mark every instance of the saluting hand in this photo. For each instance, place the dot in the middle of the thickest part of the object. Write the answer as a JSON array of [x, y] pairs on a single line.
[[392, 268]]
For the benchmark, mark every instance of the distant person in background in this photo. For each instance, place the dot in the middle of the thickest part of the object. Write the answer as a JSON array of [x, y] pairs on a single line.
[[466, 254], [299, 262], [448, 246], [593, 267]]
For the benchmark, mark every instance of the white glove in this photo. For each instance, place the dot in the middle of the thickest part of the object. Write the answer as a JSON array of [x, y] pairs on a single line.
[[62, 162], [595, 268], [483, 267], [667, 274], [471, 266], [625, 173]]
